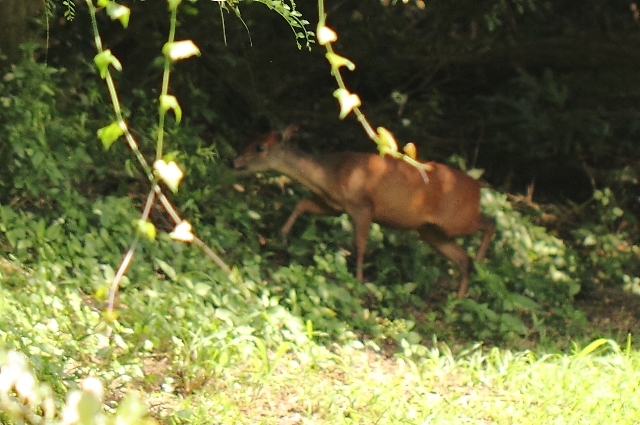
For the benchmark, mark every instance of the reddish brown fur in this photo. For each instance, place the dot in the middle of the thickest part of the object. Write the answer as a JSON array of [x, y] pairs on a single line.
[[371, 188]]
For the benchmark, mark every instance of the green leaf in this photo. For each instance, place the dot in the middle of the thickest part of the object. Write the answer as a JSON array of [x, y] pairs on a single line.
[[109, 134], [169, 173], [173, 4], [253, 215], [170, 102], [202, 289], [103, 60], [146, 228], [386, 142], [595, 345], [347, 101], [338, 61], [524, 302], [167, 269], [179, 50], [182, 232], [475, 173], [511, 323], [325, 35], [119, 12]]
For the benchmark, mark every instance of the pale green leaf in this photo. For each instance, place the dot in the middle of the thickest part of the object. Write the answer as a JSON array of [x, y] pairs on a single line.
[[179, 50], [169, 173], [347, 101], [338, 61], [146, 229], [173, 4], [166, 269], [170, 102], [182, 232], [325, 35], [103, 60], [109, 134], [202, 289], [119, 12]]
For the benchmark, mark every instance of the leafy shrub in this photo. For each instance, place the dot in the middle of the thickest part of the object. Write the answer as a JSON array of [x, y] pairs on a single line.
[[528, 282], [609, 257], [46, 128]]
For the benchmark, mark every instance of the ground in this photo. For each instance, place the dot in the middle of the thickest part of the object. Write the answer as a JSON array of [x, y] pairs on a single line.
[[611, 310]]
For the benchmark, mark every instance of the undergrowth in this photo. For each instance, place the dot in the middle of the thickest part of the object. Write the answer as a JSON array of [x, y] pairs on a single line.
[[524, 290], [290, 335]]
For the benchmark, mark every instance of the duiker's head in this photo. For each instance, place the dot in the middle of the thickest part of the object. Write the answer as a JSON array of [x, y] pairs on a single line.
[[264, 153]]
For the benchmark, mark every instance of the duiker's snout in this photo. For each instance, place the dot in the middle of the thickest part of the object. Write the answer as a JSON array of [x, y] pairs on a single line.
[[233, 163]]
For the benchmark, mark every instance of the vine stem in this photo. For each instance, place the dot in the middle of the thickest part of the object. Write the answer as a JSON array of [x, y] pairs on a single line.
[[356, 110], [156, 190], [371, 133], [165, 84]]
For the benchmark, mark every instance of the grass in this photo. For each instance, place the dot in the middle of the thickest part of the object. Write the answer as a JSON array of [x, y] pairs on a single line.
[[349, 385], [197, 368]]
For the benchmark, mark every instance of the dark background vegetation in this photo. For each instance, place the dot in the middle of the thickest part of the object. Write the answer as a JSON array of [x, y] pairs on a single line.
[[545, 93], [541, 95]]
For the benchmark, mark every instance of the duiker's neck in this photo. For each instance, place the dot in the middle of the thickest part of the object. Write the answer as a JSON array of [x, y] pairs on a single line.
[[312, 171]]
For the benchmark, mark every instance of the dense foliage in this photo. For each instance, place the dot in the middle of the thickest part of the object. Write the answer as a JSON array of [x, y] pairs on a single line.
[[503, 86]]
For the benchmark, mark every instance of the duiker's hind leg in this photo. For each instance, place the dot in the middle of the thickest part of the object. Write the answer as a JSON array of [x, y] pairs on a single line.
[[448, 247], [487, 225]]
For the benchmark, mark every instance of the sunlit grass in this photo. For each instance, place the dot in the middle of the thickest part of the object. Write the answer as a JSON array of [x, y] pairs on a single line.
[[358, 385], [189, 364]]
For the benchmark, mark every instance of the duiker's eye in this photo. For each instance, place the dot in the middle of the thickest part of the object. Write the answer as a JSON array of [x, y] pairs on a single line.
[[261, 148]]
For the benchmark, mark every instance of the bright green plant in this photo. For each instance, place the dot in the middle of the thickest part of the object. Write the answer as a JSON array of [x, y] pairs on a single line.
[[609, 258], [37, 164]]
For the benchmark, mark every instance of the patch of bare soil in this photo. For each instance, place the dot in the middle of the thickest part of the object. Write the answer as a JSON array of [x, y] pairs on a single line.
[[611, 311]]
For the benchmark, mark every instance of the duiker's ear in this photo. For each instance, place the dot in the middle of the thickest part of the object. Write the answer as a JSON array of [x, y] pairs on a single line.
[[289, 132]]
